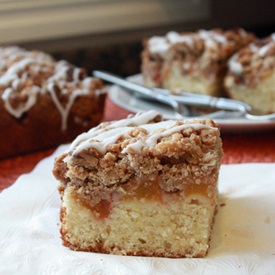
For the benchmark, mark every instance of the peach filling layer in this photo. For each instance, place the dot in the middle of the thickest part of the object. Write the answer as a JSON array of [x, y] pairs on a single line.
[[141, 191]]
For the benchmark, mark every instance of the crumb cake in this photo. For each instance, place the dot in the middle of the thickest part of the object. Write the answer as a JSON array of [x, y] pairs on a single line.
[[141, 186], [251, 75], [44, 102], [193, 62]]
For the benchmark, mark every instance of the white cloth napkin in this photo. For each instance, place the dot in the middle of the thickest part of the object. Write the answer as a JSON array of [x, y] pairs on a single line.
[[243, 239]]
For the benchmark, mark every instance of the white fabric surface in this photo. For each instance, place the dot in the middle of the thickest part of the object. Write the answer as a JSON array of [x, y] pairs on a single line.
[[243, 239]]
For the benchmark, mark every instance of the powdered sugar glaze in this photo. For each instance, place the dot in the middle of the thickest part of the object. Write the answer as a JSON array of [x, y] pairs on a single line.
[[18, 66]]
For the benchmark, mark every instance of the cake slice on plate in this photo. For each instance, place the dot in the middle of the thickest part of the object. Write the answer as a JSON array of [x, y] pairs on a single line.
[[193, 62], [141, 186], [251, 75]]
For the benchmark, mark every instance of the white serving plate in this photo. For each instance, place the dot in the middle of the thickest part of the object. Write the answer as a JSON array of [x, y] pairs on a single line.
[[126, 100]]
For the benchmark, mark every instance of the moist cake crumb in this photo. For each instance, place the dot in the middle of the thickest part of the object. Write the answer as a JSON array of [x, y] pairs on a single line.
[[141, 186]]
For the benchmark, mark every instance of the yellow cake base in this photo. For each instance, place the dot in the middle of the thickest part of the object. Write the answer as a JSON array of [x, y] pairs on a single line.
[[141, 227], [260, 97]]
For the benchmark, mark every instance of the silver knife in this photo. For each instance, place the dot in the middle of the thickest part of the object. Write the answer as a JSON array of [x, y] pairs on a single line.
[[186, 98]]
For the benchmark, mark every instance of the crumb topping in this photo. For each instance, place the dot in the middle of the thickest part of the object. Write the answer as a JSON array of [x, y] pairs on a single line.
[[199, 50], [253, 62], [26, 74], [175, 152]]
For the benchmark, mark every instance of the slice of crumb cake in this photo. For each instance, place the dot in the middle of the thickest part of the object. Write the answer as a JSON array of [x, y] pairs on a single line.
[[141, 186], [251, 75], [194, 61]]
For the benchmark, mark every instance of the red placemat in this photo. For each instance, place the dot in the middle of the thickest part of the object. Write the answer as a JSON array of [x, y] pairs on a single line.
[[238, 148]]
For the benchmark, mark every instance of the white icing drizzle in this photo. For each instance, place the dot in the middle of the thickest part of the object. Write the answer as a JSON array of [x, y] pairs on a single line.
[[99, 138], [64, 111], [12, 52], [138, 119], [253, 48], [263, 49], [234, 65], [102, 140], [23, 107], [211, 38], [160, 44], [20, 66], [169, 129], [76, 74], [60, 72], [6, 79], [11, 78], [174, 37]]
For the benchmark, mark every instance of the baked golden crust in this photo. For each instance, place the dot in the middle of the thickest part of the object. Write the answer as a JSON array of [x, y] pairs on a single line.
[[44, 103], [139, 163]]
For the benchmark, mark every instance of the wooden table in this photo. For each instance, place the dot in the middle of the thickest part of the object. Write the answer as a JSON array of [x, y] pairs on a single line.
[[238, 148]]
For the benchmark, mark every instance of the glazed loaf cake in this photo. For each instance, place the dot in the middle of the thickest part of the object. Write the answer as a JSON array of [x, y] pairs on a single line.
[[193, 62], [44, 103], [251, 75], [141, 186]]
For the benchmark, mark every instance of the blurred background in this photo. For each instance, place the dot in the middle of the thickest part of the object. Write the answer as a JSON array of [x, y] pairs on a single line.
[[108, 34]]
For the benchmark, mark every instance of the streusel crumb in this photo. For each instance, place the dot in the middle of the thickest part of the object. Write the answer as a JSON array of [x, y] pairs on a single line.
[[128, 171]]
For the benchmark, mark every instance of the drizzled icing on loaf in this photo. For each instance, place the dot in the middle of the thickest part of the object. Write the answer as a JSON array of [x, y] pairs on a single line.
[[26, 74], [103, 135]]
